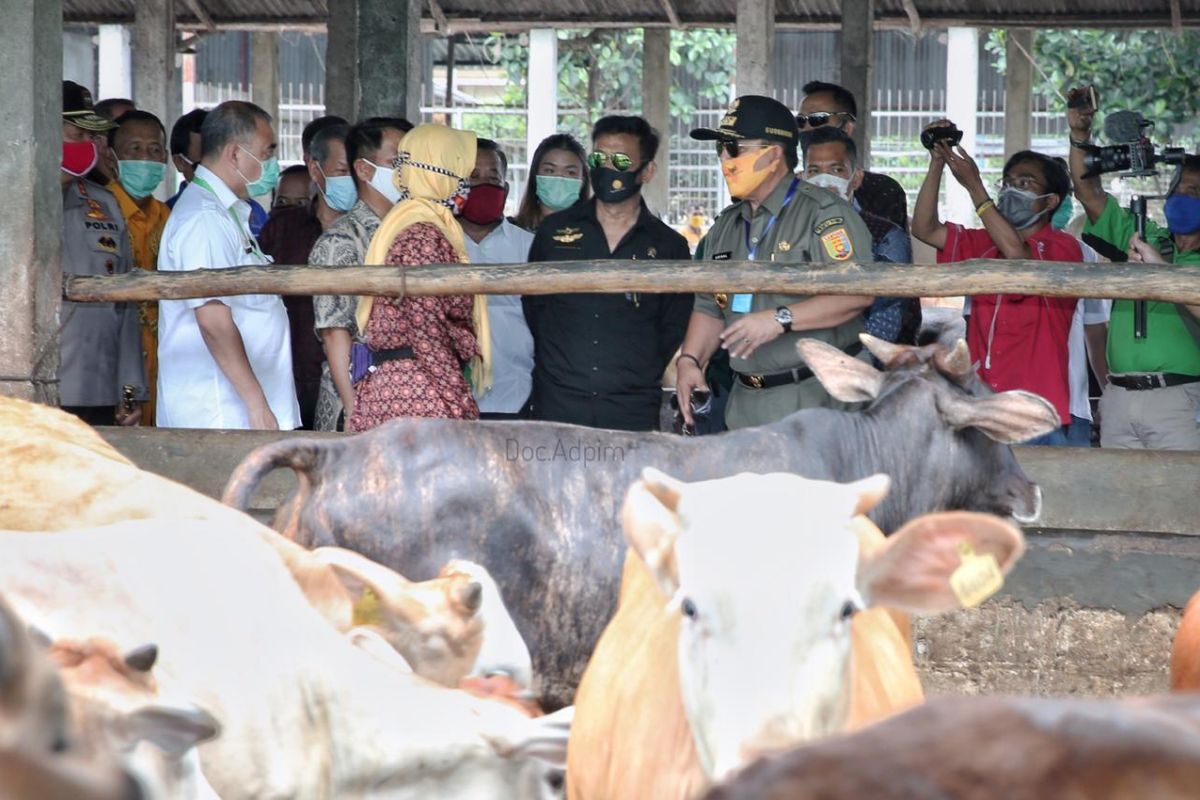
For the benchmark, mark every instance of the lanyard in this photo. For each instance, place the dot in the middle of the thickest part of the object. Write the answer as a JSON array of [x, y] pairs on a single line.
[[752, 251], [249, 245]]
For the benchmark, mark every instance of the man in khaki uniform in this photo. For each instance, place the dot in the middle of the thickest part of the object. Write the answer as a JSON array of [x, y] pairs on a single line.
[[775, 217]]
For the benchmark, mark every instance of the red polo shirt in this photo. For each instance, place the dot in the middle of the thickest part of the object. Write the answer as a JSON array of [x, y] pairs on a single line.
[[1019, 340]]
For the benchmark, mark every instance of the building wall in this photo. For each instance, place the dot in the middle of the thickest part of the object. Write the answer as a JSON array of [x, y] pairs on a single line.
[[79, 56]]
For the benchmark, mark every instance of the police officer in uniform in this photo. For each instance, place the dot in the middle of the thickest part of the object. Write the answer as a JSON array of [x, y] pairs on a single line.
[[101, 350], [775, 217]]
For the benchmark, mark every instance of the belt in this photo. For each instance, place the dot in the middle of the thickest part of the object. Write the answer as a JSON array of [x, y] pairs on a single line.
[[1152, 380], [398, 354], [792, 375]]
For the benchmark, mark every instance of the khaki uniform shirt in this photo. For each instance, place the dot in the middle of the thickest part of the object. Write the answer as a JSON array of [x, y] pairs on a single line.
[[816, 226], [101, 342]]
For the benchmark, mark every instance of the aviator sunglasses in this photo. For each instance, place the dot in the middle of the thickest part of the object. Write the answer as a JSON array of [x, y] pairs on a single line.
[[619, 161], [819, 118], [732, 147]]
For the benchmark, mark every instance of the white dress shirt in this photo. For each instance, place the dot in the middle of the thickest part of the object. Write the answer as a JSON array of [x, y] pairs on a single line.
[[512, 344], [193, 392], [1087, 312]]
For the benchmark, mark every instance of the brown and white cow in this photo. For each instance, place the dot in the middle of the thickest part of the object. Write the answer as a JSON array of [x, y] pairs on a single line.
[[997, 748], [740, 627]]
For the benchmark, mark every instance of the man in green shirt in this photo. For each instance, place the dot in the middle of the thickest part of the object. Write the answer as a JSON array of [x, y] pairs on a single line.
[[1153, 390], [776, 217]]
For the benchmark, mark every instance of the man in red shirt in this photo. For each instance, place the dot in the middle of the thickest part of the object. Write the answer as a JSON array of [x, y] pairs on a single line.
[[1019, 341]]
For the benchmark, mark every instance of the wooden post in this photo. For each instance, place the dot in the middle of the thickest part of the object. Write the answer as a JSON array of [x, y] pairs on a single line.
[[154, 78], [541, 89], [450, 71], [388, 67], [114, 63], [264, 76], [31, 59], [1018, 91], [656, 108], [1166, 282], [962, 103], [857, 57], [755, 47], [341, 59]]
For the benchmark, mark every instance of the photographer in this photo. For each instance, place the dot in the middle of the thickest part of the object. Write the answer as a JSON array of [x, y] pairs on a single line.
[[1019, 340], [1153, 389]]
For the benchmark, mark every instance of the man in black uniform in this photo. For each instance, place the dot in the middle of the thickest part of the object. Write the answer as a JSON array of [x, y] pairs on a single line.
[[599, 358]]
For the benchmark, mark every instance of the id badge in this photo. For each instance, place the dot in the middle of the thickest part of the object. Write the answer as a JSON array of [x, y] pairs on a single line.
[[741, 303]]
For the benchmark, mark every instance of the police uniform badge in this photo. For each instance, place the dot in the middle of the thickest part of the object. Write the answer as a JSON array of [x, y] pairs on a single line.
[[651, 252], [568, 235], [96, 211], [838, 245], [109, 266], [784, 246], [107, 243]]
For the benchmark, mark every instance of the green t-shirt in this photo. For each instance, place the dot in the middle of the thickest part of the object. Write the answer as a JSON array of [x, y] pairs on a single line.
[[1169, 346]]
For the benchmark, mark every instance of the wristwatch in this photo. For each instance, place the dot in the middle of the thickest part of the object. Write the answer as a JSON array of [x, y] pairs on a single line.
[[783, 315]]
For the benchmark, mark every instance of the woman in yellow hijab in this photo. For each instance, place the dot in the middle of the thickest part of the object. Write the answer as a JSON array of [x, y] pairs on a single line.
[[419, 346]]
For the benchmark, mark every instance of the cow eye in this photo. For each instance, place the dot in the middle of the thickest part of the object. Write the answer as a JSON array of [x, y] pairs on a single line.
[[849, 609], [688, 608]]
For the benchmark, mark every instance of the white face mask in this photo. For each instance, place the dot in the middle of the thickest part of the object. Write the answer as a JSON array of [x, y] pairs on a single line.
[[839, 186], [382, 180]]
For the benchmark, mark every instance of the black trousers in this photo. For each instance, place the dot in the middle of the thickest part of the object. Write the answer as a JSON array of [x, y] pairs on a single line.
[[94, 415]]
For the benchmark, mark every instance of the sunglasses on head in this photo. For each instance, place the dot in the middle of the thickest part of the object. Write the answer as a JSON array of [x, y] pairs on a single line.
[[819, 118], [732, 147], [619, 161]]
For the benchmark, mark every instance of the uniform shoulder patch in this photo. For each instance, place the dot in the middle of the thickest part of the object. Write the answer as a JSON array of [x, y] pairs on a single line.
[[567, 235], [837, 244], [821, 227]]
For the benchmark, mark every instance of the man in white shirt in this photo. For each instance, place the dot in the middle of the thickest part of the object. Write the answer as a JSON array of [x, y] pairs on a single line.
[[224, 362], [491, 239]]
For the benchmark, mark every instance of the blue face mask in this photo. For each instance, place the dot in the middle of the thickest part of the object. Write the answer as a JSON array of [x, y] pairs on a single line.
[[1183, 214], [340, 191], [1062, 215]]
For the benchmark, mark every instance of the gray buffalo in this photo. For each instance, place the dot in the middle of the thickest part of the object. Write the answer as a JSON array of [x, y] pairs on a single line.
[[537, 503]]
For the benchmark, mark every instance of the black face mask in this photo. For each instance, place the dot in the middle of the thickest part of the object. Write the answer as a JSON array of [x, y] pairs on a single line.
[[612, 186]]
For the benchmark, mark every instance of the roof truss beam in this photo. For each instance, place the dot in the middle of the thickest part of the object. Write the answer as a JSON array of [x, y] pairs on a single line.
[[673, 13], [201, 13]]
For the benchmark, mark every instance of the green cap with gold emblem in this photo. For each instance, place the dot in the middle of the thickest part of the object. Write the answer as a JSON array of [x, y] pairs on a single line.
[[753, 116]]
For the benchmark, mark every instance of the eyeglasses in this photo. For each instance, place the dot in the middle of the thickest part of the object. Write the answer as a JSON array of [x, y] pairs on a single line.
[[818, 118], [619, 161], [1024, 182], [284, 201], [732, 147]]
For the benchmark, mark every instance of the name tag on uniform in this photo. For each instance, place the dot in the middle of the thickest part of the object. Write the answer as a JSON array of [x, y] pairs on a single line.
[[741, 303]]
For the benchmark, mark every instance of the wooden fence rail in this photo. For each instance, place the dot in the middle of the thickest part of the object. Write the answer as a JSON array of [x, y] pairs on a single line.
[[983, 276]]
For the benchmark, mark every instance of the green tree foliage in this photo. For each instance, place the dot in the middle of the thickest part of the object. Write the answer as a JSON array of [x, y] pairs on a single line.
[[1154, 72]]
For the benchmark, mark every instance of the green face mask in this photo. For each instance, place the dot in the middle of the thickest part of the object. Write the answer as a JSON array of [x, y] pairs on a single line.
[[1063, 214], [557, 193], [267, 180], [140, 178]]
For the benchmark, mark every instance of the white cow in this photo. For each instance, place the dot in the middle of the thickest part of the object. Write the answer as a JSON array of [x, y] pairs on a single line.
[[304, 713]]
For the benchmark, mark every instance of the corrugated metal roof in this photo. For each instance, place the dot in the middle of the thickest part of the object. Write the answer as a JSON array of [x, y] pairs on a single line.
[[1138, 13]]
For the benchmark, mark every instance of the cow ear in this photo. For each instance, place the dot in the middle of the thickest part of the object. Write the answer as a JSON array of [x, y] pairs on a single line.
[[1008, 417], [869, 491], [911, 571], [845, 378], [374, 587], [652, 525], [173, 729]]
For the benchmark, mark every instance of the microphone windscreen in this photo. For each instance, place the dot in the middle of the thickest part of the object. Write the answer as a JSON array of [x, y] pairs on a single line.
[[1122, 127]]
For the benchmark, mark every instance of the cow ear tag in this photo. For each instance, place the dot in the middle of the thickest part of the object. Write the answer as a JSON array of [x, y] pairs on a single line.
[[367, 610], [977, 578]]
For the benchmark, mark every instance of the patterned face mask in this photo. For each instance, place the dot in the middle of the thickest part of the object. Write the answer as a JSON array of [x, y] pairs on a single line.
[[455, 201]]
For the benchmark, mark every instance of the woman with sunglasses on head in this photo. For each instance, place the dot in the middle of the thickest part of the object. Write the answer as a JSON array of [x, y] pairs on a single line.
[[558, 178], [420, 347], [1020, 341]]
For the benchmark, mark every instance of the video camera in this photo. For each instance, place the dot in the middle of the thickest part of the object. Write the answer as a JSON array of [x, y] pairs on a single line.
[[1131, 150]]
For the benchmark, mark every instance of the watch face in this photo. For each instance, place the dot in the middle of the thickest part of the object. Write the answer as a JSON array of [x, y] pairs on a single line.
[[784, 315]]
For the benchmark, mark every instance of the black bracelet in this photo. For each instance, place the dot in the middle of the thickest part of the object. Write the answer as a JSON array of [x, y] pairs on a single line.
[[682, 356], [1080, 143]]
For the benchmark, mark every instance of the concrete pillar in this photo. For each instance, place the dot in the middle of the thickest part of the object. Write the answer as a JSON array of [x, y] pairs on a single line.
[[656, 108], [264, 75], [962, 102], [341, 58], [115, 62], [1018, 92], [755, 47], [155, 82], [388, 68], [31, 59], [541, 88], [857, 57]]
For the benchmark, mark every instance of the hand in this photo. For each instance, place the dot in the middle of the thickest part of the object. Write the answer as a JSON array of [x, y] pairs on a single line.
[[132, 419], [962, 167], [1079, 120], [262, 418], [1142, 253], [687, 377], [749, 333]]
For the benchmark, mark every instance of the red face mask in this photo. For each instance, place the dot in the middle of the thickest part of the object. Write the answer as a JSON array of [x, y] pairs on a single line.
[[79, 157], [485, 204]]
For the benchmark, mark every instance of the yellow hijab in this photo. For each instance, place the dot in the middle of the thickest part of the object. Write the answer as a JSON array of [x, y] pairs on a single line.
[[432, 170]]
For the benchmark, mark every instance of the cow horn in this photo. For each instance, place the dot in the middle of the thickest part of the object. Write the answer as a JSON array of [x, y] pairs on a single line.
[[956, 363], [142, 658], [469, 595], [883, 350]]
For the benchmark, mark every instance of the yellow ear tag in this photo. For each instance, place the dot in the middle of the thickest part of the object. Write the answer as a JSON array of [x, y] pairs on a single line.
[[977, 577], [367, 610]]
